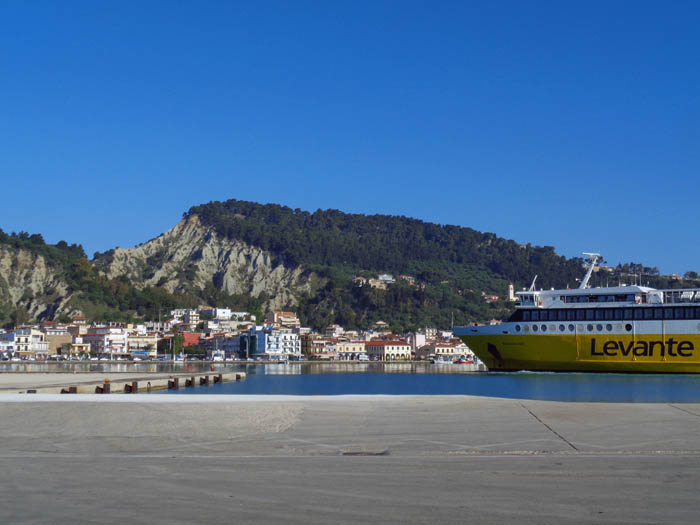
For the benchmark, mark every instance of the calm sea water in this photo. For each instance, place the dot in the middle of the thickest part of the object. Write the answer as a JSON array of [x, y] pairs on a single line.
[[427, 379]]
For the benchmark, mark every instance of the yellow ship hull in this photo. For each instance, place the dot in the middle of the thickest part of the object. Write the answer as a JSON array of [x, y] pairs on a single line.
[[645, 353]]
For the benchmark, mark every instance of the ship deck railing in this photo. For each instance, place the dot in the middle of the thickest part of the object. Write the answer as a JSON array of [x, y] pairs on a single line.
[[681, 296]]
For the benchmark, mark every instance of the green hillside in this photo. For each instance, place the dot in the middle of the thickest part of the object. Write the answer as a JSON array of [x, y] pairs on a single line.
[[452, 265]]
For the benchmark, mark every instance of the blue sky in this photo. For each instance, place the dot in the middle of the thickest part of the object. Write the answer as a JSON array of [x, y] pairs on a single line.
[[575, 125]]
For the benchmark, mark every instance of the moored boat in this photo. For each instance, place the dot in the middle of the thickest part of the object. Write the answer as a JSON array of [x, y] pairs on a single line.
[[606, 329]]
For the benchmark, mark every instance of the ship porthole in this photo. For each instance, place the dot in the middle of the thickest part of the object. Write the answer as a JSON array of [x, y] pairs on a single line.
[[544, 327], [628, 327], [561, 327], [517, 327], [534, 328], [608, 327], [589, 327], [571, 328], [599, 327]]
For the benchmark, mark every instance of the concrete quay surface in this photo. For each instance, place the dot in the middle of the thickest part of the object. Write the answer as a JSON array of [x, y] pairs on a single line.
[[346, 459]]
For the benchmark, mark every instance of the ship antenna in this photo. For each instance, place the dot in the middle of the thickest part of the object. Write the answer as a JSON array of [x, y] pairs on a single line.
[[592, 260], [532, 286]]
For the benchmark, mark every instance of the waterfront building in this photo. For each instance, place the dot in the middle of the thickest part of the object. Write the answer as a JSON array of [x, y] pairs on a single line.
[[77, 348], [314, 345], [56, 337], [271, 343], [142, 343], [107, 340], [27, 342], [388, 350], [350, 350]]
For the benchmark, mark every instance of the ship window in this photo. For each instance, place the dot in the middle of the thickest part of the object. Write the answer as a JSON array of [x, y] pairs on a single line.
[[580, 315], [620, 298], [658, 313], [599, 327], [668, 313], [561, 327], [602, 298], [689, 313], [534, 327], [630, 298], [638, 313], [561, 315], [571, 328], [517, 327], [608, 327], [571, 315], [648, 313], [589, 327], [544, 327], [526, 315], [609, 314], [535, 315], [590, 315], [628, 327], [618, 314], [552, 315], [678, 313], [599, 315]]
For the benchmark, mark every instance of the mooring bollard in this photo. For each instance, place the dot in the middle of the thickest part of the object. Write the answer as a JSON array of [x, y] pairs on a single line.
[[148, 386], [204, 380], [104, 389], [218, 378], [173, 383], [70, 390], [190, 382], [32, 391], [132, 388]]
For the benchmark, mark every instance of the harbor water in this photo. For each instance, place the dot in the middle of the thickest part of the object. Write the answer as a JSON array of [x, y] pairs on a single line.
[[316, 379]]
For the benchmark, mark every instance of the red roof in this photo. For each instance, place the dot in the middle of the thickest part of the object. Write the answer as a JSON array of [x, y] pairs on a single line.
[[191, 338], [386, 343]]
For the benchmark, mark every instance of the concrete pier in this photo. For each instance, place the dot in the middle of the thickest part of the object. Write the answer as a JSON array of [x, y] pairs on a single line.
[[346, 459], [119, 383]]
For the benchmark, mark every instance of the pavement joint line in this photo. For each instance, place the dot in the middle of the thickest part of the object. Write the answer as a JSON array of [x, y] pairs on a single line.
[[683, 410], [446, 456], [550, 428]]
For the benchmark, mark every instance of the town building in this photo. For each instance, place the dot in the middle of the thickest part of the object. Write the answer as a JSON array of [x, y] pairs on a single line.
[[107, 340], [142, 343], [26, 343], [283, 319], [388, 350], [57, 338], [271, 343], [350, 350]]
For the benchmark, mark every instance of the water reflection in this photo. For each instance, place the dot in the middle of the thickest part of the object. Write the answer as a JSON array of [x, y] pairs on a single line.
[[298, 368]]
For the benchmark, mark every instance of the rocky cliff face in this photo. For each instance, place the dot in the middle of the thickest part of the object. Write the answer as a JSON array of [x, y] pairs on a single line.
[[28, 282], [190, 256]]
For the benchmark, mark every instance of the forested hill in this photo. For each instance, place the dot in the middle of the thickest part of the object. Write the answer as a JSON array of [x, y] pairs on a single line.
[[383, 243]]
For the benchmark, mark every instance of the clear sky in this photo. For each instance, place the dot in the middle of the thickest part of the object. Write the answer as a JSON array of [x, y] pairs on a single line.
[[571, 124]]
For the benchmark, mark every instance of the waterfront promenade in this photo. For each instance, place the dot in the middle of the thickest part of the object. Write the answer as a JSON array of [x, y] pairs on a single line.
[[386, 459]]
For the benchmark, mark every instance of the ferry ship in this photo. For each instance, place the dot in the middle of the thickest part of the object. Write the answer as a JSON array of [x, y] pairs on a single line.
[[608, 329]]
